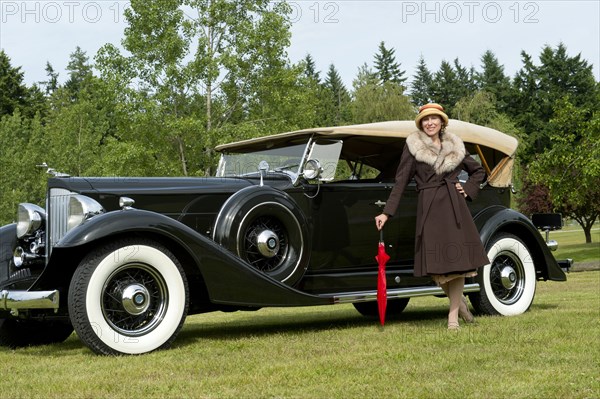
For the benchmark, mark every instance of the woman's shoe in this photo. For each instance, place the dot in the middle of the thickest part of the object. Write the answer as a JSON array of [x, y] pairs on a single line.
[[465, 314], [453, 326]]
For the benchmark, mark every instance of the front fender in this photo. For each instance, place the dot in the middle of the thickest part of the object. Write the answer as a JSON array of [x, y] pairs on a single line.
[[498, 219], [8, 242], [228, 279]]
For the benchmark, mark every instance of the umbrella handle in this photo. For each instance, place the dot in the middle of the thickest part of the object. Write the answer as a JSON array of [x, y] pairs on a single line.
[[381, 235]]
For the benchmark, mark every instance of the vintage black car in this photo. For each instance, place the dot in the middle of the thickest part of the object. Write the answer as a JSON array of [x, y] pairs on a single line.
[[288, 220]]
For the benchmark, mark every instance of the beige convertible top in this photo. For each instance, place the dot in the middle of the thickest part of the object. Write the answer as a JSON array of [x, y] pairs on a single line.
[[468, 132], [495, 149]]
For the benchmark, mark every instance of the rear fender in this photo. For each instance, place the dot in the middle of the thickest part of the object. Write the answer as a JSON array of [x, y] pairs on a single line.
[[498, 219], [228, 279]]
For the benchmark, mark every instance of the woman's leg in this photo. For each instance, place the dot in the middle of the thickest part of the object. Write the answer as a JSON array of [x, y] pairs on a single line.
[[455, 294]]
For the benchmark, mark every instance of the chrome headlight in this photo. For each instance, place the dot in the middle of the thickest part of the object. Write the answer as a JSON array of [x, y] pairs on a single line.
[[82, 208], [29, 218], [312, 169]]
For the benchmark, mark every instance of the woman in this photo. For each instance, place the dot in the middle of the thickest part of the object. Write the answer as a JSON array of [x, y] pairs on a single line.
[[447, 244]]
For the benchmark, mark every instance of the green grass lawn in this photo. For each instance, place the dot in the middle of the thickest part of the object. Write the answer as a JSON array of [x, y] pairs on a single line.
[[551, 351]]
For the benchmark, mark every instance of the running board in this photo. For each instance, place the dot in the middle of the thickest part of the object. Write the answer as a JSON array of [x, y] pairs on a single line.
[[368, 296]]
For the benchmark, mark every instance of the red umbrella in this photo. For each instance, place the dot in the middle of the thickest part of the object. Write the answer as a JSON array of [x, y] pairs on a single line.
[[382, 258]]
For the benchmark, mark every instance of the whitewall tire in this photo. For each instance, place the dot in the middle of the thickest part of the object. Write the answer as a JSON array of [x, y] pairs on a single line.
[[507, 284], [129, 297]]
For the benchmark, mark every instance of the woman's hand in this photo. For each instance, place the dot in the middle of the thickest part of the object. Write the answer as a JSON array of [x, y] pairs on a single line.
[[460, 189], [380, 220]]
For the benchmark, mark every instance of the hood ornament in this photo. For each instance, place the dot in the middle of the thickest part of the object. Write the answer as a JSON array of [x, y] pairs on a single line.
[[51, 171]]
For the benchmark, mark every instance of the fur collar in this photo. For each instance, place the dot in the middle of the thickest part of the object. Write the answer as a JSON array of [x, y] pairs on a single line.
[[442, 160]]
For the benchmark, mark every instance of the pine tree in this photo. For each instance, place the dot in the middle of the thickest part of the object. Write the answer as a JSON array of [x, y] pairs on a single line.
[[13, 93], [338, 96], [421, 86], [310, 69], [493, 80], [466, 79], [386, 67], [80, 71], [536, 89], [561, 75], [446, 87], [51, 84]]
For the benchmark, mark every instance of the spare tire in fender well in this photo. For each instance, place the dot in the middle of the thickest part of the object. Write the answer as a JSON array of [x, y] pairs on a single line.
[[267, 229]]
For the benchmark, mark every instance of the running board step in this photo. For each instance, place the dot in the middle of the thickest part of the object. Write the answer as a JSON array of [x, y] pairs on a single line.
[[368, 296]]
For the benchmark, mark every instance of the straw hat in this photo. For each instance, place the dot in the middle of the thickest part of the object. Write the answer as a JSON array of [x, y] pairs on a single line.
[[431, 109]]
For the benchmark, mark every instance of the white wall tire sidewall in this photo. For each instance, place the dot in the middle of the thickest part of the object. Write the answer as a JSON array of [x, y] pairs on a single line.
[[176, 303], [524, 302]]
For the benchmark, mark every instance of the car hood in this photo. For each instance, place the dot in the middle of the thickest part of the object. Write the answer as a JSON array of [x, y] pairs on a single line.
[[149, 185], [173, 196]]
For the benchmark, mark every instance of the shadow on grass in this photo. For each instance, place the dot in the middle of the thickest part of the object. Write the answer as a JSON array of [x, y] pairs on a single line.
[[271, 324], [543, 306], [256, 324]]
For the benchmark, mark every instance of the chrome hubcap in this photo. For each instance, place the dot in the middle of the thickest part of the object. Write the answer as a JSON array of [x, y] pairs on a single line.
[[135, 299], [508, 277], [267, 243]]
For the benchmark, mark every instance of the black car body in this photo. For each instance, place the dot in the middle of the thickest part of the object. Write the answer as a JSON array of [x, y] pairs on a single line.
[[287, 221]]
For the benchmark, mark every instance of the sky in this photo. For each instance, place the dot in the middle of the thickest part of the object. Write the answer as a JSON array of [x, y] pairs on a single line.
[[345, 33]]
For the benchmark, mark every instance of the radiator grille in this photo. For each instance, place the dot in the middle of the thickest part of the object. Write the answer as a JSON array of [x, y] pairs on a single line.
[[58, 215]]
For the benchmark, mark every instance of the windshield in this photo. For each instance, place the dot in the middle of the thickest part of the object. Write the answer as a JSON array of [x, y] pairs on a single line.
[[279, 159]]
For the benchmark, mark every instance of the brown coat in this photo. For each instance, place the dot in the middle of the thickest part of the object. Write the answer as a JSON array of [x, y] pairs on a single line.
[[446, 239]]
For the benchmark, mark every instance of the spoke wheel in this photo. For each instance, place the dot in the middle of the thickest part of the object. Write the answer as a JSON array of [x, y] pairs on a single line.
[[507, 284], [507, 278], [135, 299], [265, 244], [128, 297]]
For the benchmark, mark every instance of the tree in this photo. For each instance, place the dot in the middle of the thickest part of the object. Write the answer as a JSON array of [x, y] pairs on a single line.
[[386, 67], [316, 98], [480, 108], [421, 86], [22, 148], [493, 80], [570, 168], [13, 93], [364, 77], [51, 85], [80, 72], [465, 78], [339, 98], [446, 88], [533, 198], [376, 103], [310, 69], [537, 87], [224, 52]]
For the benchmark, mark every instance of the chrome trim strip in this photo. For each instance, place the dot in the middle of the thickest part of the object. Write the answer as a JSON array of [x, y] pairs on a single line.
[[367, 296], [10, 300]]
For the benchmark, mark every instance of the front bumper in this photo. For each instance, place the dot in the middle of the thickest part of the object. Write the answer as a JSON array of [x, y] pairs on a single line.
[[19, 300]]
